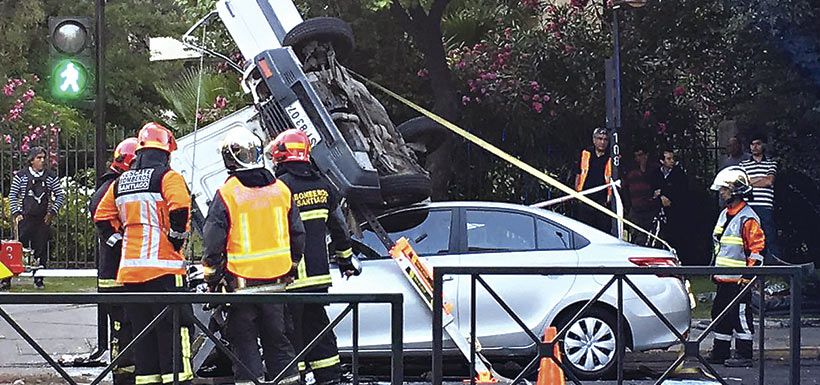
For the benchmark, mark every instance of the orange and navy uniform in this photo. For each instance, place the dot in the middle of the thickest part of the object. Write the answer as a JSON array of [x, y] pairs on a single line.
[[153, 206], [584, 168]]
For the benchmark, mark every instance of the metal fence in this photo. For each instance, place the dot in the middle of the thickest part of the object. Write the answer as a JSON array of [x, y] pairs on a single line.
[[71, 157], [620, 276], [174, 301]]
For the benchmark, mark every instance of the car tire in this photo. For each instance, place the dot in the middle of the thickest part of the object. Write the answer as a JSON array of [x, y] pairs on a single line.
[[404, 189], [423, 130], [597, 325], [323, 29]]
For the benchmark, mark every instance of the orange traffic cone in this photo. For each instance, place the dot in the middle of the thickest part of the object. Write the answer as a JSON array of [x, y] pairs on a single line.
[[549, 372]]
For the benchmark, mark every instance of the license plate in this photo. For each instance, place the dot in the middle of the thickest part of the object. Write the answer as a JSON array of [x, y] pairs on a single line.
[[302, 122]]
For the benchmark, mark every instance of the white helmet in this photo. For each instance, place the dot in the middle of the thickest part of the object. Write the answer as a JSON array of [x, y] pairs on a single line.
[[242, 150], [733, 178]]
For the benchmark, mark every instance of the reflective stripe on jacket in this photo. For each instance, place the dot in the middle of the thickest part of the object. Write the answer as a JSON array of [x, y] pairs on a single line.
[[253, 212], [142, 200], [729, 244], [584, 171]]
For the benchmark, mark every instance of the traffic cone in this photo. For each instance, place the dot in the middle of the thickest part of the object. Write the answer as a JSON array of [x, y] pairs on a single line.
[[549, 372]]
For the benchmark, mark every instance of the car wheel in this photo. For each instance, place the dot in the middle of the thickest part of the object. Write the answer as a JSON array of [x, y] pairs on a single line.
[[322, 29], [404, 189], [424, 131], [589, 345]]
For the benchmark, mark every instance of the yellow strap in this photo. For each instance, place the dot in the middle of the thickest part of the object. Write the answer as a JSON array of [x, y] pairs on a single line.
[[147, 379], [509, 158], [314, 214], [327, 362], [260, 255], [310, 281], [346, 253], [731, 240], [729, 262]]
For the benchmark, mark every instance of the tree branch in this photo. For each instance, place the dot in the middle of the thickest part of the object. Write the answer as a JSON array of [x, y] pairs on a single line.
[[401, 15]]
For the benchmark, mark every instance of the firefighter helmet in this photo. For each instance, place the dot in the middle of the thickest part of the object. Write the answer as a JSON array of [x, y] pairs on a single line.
[[735, 179], [124, 154], [290, 146], [242, 150], [154, 135]]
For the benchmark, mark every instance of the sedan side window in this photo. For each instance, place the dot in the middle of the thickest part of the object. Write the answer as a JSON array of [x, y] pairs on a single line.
[[552, 237], [428, 231], [499, 231]]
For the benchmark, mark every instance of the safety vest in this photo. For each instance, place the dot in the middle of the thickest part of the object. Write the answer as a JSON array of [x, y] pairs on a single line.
[[729, 250], [144, 213], [259, 237], [585, 155]]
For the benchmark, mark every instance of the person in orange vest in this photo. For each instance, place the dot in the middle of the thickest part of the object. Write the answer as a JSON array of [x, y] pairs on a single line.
[[151, 204], [318, 204], [253, 236], [595, 169], [739, 242], [108, 263]]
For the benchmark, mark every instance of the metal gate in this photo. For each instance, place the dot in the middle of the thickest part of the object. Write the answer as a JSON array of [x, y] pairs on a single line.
[[72, 242]]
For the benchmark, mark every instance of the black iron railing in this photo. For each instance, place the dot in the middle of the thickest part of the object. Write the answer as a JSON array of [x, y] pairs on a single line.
[[619, 277], [174, 302]]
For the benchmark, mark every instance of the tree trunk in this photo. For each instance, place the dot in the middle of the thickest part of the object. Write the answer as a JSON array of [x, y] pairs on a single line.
[[425, 30]]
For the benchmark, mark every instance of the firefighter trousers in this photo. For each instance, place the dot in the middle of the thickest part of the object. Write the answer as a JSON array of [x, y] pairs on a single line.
[[738, 320], [153, 355], [121, 335], [248, 323], [308, 320]]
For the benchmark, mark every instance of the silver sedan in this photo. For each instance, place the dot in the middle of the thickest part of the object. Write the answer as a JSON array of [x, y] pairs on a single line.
[[501, 234]]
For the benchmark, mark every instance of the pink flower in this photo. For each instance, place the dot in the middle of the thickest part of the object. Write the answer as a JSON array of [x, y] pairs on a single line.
[[7, 138], [537, 107], [536, 98], [221, 102], [545, 98], [679, 90], [662, 128], [423, 73], [646, 115], [534, 86], [465, 99]]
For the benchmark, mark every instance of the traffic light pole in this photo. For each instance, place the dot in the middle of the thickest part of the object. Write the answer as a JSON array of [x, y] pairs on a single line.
[[101, 150]]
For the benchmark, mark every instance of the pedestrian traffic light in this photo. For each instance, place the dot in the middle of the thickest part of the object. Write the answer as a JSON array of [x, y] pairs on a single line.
[[72, 55]]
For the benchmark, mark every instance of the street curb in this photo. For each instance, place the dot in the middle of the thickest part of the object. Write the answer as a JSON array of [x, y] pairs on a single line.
[[776, 354]]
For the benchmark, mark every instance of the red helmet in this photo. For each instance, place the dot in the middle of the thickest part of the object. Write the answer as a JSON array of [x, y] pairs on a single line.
[[124, 154], [154, 135], [290, 146]]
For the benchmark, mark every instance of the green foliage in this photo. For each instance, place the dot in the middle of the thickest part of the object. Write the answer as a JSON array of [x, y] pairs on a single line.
[[220, 95], [75, 234]]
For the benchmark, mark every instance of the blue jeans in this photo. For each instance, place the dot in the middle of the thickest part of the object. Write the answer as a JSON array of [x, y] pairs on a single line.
[[769, 226]]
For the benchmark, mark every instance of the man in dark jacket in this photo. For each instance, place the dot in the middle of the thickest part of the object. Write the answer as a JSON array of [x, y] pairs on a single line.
[[108, 263], [253, 236], [671, 188], [35, 197], [319, 206]]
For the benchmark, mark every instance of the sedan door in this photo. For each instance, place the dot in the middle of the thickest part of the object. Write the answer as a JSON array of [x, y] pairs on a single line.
[[429, 234], [495, 237]]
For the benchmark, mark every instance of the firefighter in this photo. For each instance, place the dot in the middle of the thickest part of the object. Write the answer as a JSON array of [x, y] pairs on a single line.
[[739, 241], [319, 206], [253, 237], [108, 263], [152, 205]]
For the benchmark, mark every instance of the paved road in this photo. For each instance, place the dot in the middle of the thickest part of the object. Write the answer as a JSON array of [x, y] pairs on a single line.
[[71, 329]]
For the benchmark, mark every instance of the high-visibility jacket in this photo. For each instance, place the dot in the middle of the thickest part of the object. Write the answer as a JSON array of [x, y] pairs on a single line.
[[143, 200], [584, 171], [252, 252], [318, 205], [740, 242]]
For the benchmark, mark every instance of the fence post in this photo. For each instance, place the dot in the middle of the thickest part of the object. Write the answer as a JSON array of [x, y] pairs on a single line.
[[794, 340]]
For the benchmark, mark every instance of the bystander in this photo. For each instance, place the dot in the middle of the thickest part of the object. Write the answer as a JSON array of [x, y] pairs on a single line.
[[641, 207], [35, 197], [762, 171], [670, 189]]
